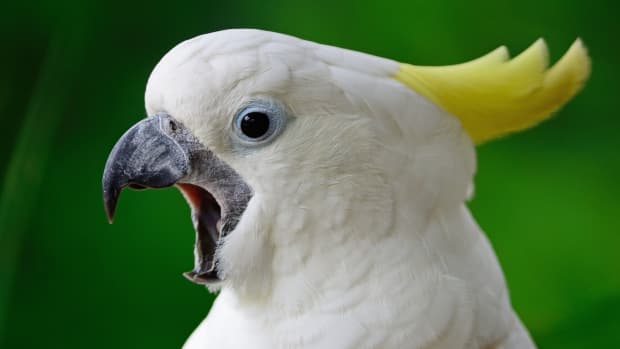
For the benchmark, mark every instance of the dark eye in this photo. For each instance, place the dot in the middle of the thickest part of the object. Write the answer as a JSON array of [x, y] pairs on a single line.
[[255, 124], [259, 122]]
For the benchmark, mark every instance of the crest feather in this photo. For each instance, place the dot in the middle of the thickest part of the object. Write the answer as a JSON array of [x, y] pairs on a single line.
[[494, 95]]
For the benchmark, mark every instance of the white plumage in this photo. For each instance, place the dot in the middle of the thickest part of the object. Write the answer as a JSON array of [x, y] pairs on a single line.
[[357, 235]]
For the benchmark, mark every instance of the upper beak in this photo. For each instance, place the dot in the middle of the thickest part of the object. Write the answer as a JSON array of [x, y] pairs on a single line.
[[148, 156]]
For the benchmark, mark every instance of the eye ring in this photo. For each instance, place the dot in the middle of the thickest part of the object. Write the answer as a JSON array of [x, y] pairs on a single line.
[[259, 122]]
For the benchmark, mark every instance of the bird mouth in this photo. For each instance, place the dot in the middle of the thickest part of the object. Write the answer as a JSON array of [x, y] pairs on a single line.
[[159, 152], [207, 221]]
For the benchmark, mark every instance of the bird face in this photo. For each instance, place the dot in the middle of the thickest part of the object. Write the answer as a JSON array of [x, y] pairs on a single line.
[[258, 146]]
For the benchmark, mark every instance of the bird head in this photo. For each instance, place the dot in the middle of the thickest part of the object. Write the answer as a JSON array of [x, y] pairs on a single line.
[[275, 141]]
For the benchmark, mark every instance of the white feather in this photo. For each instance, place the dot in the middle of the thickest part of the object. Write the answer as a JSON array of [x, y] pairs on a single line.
[[358, 235]]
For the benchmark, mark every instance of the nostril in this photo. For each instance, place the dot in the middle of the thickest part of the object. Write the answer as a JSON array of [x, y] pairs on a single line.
[[173, 125]]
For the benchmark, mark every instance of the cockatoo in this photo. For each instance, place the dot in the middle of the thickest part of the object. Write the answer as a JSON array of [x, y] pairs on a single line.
[[328, 187]]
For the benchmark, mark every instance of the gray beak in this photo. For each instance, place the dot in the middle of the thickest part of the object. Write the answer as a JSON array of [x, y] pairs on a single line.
[[146, 156], [160, 152]]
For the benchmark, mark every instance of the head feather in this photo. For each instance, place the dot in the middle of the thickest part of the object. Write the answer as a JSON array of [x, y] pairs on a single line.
[[494, 95]]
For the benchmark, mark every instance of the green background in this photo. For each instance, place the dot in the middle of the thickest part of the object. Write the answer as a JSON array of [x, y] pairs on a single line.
[[72, 77]]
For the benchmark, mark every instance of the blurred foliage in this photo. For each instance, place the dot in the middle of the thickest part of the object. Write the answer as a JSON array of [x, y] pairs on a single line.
[[72, 77]]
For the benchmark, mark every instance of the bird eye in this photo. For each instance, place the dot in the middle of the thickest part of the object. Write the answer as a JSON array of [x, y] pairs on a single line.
[[259, 122], [255, 124]]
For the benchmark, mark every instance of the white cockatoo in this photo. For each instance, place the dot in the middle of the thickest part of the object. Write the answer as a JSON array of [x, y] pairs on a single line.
[[328, 187]]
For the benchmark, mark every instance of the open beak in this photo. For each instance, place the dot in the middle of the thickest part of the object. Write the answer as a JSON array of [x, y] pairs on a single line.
[[160, 152]]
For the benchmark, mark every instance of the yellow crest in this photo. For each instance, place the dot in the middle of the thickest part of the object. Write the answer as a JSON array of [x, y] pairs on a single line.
[[495, 95]]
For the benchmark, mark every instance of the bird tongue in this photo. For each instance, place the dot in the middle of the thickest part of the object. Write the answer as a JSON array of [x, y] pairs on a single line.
[[206, 215]]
